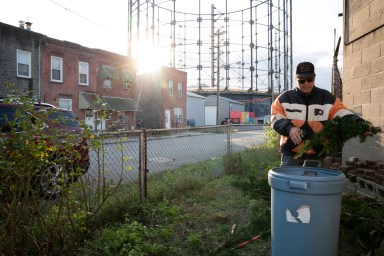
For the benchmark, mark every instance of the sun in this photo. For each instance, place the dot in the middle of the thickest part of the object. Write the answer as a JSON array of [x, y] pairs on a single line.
[[151, 59]]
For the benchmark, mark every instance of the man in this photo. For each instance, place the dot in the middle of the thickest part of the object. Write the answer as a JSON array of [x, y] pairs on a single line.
[[299, 113]]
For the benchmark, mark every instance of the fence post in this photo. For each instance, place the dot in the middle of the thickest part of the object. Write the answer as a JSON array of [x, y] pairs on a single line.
[[229, 128], [143, 165]]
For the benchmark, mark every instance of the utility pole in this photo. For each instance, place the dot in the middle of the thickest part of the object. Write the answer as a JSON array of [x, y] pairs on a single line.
[[218, 76], [218, 79], [212, 45]]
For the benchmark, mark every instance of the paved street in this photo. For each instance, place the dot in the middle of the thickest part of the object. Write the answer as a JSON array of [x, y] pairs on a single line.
[[168, 152]]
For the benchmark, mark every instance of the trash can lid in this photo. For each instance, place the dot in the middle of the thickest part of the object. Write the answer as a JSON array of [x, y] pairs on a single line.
[[311, 180]]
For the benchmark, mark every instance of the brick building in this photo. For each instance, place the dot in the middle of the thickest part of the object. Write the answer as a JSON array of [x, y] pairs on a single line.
[[98, 86], [20, 61], [162, 96], [363, 72]]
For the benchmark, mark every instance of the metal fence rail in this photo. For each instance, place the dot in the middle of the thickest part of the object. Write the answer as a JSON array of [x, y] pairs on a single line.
[[132, 156]]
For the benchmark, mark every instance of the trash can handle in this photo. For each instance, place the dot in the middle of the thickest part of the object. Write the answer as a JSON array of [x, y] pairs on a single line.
[[298, 184], [312, 163]]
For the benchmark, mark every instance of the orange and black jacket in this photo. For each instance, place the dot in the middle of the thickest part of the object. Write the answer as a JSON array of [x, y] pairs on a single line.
[[307, 112]]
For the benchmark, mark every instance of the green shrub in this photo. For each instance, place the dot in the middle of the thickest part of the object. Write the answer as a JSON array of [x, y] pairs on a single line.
[[30, 222], [271, 135]]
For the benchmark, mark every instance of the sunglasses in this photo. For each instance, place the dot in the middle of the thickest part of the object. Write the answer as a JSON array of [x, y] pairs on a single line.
[[309, 80]]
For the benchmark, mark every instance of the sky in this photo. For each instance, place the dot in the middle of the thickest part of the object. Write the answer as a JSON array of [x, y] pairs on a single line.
[[103, 25]]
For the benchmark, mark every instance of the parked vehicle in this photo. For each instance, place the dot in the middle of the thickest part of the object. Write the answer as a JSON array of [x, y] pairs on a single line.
[[232, 120], [60, 135]]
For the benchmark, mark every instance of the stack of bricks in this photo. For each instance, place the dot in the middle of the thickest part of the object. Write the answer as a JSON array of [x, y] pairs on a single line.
[[366, 177]]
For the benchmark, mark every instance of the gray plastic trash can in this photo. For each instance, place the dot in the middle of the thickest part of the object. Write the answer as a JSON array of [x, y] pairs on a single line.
[[305, 210]]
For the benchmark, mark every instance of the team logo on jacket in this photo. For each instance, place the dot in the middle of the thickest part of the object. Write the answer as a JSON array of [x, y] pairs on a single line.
[[318, 112]]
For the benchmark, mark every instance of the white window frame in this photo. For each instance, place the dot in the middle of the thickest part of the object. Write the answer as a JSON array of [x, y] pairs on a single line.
[[170, 88], [178, 115], [54, 62], [180, 89], [84, 70], [65, 103], [23, 61]]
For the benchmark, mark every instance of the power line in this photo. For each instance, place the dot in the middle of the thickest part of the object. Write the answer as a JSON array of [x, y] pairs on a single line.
[[83, 17]]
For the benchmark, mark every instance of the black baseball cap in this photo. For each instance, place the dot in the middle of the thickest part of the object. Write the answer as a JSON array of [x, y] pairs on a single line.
[[305, 69]]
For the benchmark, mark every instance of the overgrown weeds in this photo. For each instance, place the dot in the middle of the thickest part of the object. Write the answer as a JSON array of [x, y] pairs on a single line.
[[209, 209], [194, 211]]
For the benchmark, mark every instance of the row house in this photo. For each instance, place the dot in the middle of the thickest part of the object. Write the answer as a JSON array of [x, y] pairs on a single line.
[[98, 86], [163, 98]]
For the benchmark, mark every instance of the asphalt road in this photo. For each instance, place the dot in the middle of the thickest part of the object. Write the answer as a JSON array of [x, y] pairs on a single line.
[[121, 156]]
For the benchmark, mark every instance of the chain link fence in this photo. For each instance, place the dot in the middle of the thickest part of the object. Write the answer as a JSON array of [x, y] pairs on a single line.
[[133, 157]]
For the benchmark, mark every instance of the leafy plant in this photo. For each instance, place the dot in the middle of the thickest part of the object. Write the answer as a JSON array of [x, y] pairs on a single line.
[[128, 239], [271, 135], [335, 133], [29, 223]]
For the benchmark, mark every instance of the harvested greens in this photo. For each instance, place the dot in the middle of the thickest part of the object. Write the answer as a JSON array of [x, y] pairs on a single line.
[[335, 133]]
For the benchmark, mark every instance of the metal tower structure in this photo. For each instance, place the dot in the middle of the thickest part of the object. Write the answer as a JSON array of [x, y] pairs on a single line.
[[247, 44]]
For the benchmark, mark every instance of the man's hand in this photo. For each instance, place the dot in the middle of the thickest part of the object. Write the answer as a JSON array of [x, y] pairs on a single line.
[[295, 135]]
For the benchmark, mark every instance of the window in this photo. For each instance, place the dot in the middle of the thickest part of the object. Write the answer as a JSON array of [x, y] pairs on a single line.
[[178, 115], [65, 103], [170, 88], [127, 76], [109, 73], [23, 63], [122, 117], [127, 79], [56, 69], [89, 113], [180, 89], [83, 73]]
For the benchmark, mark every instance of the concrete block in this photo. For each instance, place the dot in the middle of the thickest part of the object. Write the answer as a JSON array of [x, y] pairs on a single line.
[[377, 65], [371, 81], [348, 99], [371, 53], [376, 6], [366, 187], [354, 60], [371, 110], [362, 70], [360, 17], [363, 97], [360, 44], [377, 35], [378, 93]]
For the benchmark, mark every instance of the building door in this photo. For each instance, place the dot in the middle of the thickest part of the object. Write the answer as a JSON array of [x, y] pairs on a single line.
[[89, 119], [92, 121], [167, 119], [210, 115]]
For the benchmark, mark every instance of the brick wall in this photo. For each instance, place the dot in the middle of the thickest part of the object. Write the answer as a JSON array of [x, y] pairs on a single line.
[[171, 102], [150, 99], [70, 88], [154, 99], [363, 72], [13, 39]]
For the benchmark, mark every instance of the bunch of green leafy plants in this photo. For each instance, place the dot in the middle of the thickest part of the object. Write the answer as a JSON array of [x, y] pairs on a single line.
[[271, 136], [336, 132], [31, 222]]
